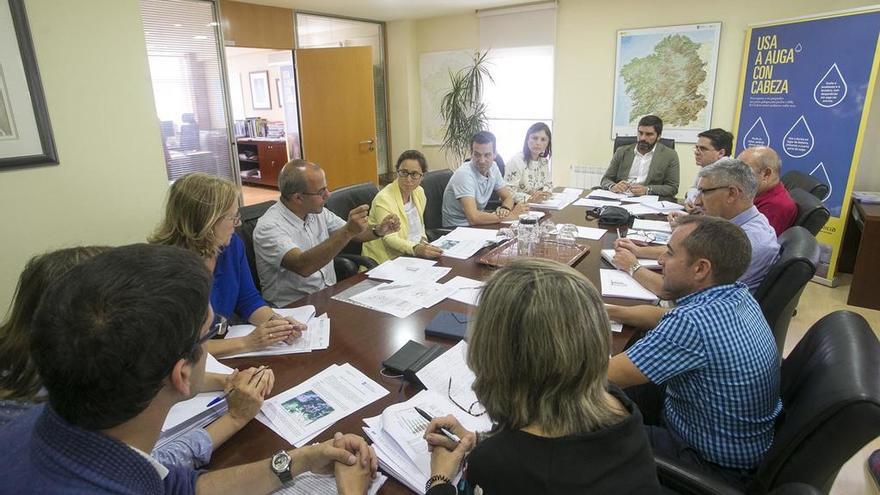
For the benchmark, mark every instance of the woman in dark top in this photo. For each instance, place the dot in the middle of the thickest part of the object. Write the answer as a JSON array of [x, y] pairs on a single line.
[[539, 346]]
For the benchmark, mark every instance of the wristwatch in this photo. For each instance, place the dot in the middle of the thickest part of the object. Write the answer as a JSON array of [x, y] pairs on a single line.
[[280, 465], [376, 232], [634, 268]]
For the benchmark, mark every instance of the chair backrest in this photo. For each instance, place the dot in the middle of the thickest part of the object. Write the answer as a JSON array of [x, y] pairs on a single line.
[[781, 288], [434, 183], [249, 216], [625, 140], [343, 200], [812, 213], [830, 391], [798, 180]]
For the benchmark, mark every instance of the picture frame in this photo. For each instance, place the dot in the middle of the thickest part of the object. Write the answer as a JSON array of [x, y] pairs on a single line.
[[25, 130], [280, 94], [261, 99]]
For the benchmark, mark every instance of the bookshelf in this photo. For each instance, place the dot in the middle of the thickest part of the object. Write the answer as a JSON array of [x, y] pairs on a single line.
[[260, 160]]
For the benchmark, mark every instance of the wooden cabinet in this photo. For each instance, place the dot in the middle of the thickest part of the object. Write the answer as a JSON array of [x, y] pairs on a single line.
[[260, 160]]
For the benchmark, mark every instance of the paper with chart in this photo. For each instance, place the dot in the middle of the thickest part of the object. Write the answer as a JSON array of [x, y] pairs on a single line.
[[608, 255], [467, 290], [457, 248], [405, 268], [304, 411], [310, 483], [616, 283]]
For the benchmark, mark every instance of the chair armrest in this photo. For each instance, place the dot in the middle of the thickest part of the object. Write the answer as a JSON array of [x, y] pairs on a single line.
[[361, 260], [686, 481]]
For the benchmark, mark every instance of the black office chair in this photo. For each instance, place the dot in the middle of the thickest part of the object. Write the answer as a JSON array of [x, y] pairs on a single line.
[[625, 140], [434, 184], [495, 201], [830, 387], [798, 180], [812, 213], [781, 288], [342, 201]]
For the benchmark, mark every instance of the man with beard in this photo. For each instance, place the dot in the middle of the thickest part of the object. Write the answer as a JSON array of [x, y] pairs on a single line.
[[645, 167]]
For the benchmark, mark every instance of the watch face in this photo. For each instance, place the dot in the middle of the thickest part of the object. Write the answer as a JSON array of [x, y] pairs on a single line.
[[280, 462]]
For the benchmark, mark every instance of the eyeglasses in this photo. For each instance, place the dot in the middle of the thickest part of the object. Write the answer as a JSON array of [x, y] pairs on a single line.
[[236, 219], [403, 174], [475, 409], [321, 192], [702, 149], [219, 327], [702, 192]]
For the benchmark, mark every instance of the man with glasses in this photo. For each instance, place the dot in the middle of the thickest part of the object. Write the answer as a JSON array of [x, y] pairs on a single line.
[[772, 198], [296, 240], [117, 342], [473, 183], [712, 145]]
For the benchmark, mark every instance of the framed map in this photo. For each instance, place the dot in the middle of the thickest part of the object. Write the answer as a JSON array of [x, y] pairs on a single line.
[[669, 72], [434, 69]]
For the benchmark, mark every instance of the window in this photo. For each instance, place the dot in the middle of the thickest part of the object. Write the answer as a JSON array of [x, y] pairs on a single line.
[[183, 49]]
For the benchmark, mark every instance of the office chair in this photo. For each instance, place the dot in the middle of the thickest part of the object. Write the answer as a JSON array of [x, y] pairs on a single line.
[[781, 289], [798, 180], [494, 201], [434, 184], [625, 140], [812, 213], [830, 388], [341, 202]]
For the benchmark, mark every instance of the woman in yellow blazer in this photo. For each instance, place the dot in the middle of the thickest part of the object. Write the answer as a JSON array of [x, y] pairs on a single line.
[[405, 198]]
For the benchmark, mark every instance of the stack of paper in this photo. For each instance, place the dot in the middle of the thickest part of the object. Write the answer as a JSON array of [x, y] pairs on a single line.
[[648, 198], [464, 242], [402, 299], [616, 283], [317, 337], [639, 209], [467, 290], [301, 413], [655, 225], [557, 201], [605, 194], [325, 484], [195, 413], [397, 434], [404, 269], [596, 203], [608, 255]]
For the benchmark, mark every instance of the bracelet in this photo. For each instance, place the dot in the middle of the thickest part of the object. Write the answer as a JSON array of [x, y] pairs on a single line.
[[436, 477], [633, 269]]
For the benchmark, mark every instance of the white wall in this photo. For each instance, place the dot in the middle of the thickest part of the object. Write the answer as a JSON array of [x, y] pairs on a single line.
[[241, 62]]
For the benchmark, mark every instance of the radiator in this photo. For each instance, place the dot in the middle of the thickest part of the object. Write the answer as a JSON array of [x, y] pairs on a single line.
[[586, 177]]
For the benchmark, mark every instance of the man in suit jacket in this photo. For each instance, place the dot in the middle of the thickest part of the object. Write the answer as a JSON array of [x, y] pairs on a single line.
[[653, 165]]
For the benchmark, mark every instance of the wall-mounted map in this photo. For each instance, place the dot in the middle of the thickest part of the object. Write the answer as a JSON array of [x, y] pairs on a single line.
[[434, 69], [669, 72]]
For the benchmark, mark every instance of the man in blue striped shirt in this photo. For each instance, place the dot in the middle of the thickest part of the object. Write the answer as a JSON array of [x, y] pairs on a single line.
[[708, 374]]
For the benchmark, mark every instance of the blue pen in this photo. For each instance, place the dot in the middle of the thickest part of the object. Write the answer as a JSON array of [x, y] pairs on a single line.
[[224, 396]]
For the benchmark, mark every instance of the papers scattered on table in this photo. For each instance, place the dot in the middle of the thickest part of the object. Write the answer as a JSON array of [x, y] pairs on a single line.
[[537, 215], [464, 242], [596, 203], [616, 283], [557, 201], [639, 209], [664, 206], [603, 193], [195, 413], [317, 337], [656, 225], [472, 234], [648, 198], [310, 483], [405, 269], [301, 413], [591, 233], [467, 290], [608, 255], [402, 299], [573, 191], [397, 433]]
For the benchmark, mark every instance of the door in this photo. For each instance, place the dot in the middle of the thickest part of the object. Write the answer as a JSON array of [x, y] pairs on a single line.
[[337, 113]]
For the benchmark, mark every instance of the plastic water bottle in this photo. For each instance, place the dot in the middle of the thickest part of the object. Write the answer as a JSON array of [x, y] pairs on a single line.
[[526, 235]]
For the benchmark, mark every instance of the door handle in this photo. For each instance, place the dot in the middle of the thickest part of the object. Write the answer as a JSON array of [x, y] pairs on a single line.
[[368, 142]]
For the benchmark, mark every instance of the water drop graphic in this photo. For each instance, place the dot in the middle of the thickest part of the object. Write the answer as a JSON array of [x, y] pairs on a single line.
[[798, 48], [824, 174], [756, 135], [831, 89], [798, 141]]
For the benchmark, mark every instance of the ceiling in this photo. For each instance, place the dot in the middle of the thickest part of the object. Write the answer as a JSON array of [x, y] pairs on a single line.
[[390, 10]]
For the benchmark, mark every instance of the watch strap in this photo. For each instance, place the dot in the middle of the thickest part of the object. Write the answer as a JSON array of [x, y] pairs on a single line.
[[286, 476]]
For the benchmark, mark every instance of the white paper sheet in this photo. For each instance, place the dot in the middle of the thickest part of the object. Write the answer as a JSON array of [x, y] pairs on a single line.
[[639, 209], [596, 203], [467, 290], [608, 255], [317, 337], [402, 268], [472, 234], [616, 283], [310, 483], [458, 248], [557, 201], [648, 198], [658, 225], [572, 191], [591, 233], [664, 206], [603, 193]]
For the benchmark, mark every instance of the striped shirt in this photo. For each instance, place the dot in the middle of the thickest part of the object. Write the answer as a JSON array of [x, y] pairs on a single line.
[[717, 357]]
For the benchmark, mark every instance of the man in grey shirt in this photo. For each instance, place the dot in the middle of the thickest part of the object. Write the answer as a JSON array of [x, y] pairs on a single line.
[[296, 240], [471, 186]]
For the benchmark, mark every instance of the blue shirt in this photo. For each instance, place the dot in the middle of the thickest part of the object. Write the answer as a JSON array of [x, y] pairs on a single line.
[[765, 248], [718, 359], [234, 291], [467, 181]]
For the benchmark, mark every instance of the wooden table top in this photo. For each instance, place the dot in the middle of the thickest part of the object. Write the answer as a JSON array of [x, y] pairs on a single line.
[[364, 338]]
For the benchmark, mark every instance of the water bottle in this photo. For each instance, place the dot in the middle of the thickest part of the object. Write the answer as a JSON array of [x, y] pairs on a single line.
[[526, 235]]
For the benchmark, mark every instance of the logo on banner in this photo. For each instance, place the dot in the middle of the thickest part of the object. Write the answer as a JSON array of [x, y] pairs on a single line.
[[798, 141], [831, 89], [757, 136]]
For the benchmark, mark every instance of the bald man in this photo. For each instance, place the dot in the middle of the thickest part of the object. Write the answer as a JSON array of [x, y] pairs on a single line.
[[772, 198]]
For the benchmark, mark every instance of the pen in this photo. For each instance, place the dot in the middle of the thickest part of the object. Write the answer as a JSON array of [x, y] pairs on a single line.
[[449, 434], [259, 371]]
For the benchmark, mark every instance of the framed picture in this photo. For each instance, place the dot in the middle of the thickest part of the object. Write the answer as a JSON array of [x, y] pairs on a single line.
[[25, 131], [260, 98], [668, 72], [280, 94]]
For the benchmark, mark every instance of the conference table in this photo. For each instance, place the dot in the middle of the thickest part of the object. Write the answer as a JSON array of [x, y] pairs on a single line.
[[364, 337]]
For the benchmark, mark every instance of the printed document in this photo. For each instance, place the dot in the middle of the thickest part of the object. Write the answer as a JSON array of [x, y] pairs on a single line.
[[458, 248], [616, 283], [405, 268], [648, 198], [472, 234], [657, 225], [608, 255], [596, 203], [467, 290], [310, 483], [605, 194], [590, 233], [316, 338], [557, 201]]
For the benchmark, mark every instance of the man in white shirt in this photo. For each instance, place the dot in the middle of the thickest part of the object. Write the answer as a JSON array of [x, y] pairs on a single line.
[[296, 240], [712, 145], [645, 167]]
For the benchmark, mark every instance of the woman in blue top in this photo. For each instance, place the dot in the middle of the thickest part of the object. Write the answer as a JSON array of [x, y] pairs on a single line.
[[201, 215]]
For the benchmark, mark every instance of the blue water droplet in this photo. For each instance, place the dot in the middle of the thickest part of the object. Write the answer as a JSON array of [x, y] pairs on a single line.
[[798, 141], [757, 135], [798, 48], [831, 89]]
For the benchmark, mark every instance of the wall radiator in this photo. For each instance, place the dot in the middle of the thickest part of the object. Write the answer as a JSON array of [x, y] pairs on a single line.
[[586, 177]]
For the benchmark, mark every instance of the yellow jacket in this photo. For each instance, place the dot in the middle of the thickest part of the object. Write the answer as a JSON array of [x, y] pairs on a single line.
[[393, 245]]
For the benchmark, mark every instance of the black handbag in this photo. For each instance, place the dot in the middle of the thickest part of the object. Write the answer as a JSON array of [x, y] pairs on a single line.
[[610, 215]]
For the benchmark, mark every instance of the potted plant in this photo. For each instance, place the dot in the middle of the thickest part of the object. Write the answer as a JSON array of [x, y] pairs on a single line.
[[462, 108]]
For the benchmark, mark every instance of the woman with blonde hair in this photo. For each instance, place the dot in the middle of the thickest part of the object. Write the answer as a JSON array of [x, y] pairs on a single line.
[[538, 346], [405, 198], [201, 215]]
